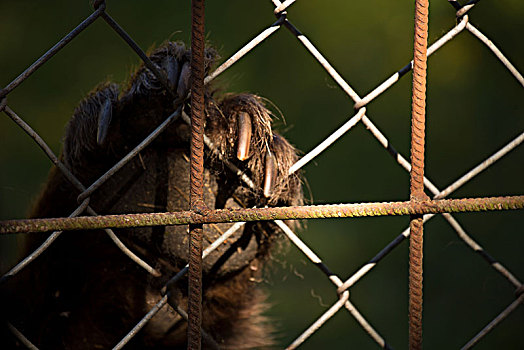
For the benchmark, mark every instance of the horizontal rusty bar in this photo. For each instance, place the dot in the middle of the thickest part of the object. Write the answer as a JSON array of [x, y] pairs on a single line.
[[264, 214]]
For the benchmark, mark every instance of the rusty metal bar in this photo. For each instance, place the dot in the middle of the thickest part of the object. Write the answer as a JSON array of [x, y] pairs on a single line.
[[197, 204], [261, 214], [211, 343], [438, 195], [154, 310], [465, 22], [333, 278], [418, 120], [207, 251]]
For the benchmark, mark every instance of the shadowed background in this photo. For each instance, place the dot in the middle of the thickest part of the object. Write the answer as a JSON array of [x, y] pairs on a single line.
[[474, 108]]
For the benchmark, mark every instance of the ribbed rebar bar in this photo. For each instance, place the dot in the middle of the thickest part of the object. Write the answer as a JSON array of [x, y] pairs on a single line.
[[265, 214], [418, 120], [318, 212], [197, 174]]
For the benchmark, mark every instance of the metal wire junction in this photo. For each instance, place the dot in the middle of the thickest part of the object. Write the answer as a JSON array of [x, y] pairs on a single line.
[[420, 207]]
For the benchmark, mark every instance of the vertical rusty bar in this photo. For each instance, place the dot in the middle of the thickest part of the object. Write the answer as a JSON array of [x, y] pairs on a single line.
[[418, 120], [197, 174]]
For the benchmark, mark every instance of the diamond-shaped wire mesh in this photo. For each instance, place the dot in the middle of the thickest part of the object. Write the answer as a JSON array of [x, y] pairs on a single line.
[[363, 115]]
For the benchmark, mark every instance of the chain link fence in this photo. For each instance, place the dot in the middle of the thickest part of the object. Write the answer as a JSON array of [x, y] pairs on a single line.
[[345, 280]]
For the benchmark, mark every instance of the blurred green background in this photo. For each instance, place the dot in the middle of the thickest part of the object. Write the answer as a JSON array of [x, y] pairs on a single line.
[[475, 107]]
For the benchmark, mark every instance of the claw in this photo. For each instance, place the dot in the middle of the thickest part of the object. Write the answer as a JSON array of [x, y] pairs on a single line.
[[172, 70], [183, 81], [104, 119], [270, 174], [244, 135]]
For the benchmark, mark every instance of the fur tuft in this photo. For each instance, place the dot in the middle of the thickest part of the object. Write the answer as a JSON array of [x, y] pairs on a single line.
[[83, 292]]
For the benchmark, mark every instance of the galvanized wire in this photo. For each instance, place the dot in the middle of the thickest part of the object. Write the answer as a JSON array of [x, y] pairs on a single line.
[[128, 157], [497, 52], [500, 317], [460, 26], [328, 141], [399, 74], [75, 182], [337, 282], [142, 323], [147, 62], [162, 302], [280, 7], [321, 320], [26, 342], [38, 251], [52, 51], [438, 195]]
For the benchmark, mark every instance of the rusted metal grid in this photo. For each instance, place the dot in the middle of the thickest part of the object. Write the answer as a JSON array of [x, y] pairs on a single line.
[[415, 207]]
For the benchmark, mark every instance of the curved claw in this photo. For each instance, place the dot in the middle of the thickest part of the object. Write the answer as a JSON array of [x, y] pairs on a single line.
[[183, 81], [104, 119], [270, 174], [172, 70], [244, 135]]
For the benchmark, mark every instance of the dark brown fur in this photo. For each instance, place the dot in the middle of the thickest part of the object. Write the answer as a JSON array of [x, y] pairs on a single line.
[[83, 292]]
